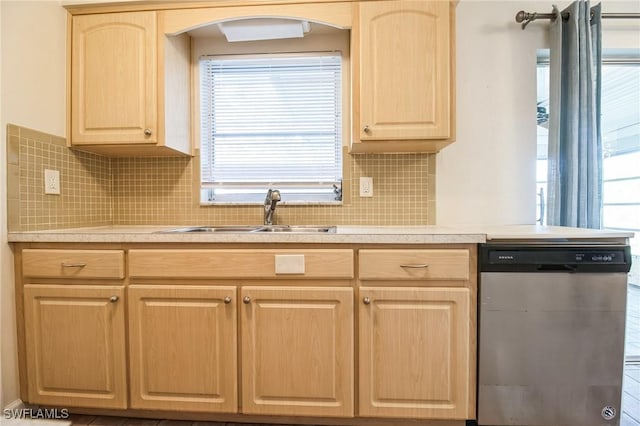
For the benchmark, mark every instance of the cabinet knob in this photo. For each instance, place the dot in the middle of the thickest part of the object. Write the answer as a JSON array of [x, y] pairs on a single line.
[[114, 299], [366, 129], [246, 300], [366, 301], [148, 132], [227, 300]]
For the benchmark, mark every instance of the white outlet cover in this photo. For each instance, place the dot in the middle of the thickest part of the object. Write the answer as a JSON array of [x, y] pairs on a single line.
[[51, 182], [366, 186]]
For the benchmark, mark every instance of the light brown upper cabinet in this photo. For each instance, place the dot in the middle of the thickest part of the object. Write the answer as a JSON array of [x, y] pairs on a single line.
[[403, 76], [129, 86], [130, 73]]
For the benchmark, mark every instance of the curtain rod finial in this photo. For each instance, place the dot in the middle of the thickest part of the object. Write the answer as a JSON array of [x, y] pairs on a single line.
[[525, 18]]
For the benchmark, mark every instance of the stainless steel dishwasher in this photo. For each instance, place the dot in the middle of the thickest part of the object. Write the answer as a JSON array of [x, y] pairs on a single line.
[[551, 333]]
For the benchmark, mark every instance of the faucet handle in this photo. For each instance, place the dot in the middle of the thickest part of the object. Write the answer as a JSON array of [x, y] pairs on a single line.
[[270, 201], [267, 199]]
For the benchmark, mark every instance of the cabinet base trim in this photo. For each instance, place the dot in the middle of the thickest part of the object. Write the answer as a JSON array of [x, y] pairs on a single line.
[[242, 418]]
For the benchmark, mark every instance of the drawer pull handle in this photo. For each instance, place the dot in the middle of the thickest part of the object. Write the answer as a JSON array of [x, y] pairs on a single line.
[[114, 299], [366, 301], [246, 300], [415, 266], [227, 300], [73, 265]]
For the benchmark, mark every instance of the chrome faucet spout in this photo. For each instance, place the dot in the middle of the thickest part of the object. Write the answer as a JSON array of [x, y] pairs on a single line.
[[270, 201]]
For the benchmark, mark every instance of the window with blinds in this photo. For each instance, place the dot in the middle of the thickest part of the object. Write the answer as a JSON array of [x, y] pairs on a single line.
[[271, 121]]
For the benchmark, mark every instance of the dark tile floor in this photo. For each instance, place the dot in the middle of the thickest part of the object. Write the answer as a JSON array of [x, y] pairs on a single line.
[[84, 420]]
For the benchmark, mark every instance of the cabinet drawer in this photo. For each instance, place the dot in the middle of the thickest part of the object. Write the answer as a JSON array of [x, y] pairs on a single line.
[[316, 264], [433, 264], [73, 263]]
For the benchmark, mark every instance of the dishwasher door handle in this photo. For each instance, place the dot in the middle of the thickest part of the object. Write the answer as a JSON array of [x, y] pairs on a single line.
[[557, 268]]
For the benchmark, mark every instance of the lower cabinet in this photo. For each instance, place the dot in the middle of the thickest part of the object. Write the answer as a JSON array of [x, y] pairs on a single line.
[[183, 348], [414, 358], [297, 351], [251, 340], [75, 345]]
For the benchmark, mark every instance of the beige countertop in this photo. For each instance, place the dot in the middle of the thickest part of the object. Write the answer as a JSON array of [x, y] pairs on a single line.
[[344, 235]]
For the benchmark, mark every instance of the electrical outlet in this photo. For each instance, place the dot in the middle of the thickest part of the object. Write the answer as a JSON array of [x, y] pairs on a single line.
[[51, 182], [366, 187]]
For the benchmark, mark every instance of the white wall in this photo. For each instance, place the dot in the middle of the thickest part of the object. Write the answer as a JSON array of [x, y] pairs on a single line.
[[488, 175], [32, 78], [34, 65]]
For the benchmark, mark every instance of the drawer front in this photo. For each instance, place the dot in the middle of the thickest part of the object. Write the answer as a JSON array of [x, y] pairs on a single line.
[[73, 263], [260, 264], [433, 264]]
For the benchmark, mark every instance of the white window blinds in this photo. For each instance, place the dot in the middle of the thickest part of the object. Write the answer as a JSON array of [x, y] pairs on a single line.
[[270, 122]]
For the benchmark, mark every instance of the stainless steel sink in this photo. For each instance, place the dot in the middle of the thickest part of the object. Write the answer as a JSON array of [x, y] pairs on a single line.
[[254, 228], [227, 229], [299, 229]]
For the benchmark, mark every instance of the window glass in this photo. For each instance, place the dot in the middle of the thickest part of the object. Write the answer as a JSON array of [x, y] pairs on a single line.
[[271, 121], [620, 139]]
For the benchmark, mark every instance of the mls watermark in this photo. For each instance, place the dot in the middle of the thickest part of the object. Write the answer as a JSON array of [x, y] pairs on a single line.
[[36, 413]]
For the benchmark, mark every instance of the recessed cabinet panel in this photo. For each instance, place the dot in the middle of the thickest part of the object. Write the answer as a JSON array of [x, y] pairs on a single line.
[[383, 64], [76, 345], [73, 264], [416, 265], [238, 263], [113, 79], [183, 348], [414, 352], [297, 351]]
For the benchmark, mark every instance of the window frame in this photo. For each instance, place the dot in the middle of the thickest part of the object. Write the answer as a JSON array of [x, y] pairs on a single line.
[[327, 42]]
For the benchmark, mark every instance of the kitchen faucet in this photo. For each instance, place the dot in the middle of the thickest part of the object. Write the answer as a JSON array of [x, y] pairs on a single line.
[[270, 201]]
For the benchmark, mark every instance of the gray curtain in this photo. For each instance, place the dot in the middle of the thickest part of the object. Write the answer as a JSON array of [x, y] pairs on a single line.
[[574, 195]]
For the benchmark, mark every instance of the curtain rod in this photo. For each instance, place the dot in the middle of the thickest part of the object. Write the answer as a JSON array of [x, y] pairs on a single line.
[[525, 17]]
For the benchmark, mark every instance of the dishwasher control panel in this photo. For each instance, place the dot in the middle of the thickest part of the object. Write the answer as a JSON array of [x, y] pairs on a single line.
[[510, 258]]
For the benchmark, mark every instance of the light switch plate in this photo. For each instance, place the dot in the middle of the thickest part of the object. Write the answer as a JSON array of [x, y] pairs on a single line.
[[289, 264], [51, 182]]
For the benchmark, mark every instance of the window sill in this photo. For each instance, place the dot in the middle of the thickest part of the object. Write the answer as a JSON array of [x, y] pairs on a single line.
[[282, 203]]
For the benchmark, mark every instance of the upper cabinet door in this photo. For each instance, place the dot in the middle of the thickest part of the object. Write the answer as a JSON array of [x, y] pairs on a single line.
[[403, 70], [113, 78]]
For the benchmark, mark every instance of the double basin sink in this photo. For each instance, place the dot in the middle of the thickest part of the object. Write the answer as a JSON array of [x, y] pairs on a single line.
[[254, 229]]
